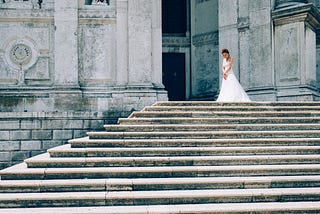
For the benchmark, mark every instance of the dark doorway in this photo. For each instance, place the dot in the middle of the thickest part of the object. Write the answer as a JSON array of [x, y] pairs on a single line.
[[174, 17], [174, 75]]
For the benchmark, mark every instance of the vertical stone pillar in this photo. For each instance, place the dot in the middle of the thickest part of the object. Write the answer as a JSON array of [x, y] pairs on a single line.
[[295, 50], [244, 42], [122, 42], [228, 32], [139, 53], [67, 95], [140, 42], [260, 72], [66, 44], [157, 43]]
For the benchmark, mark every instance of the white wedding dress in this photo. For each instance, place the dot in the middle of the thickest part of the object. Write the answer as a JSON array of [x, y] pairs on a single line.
[[231, 90]]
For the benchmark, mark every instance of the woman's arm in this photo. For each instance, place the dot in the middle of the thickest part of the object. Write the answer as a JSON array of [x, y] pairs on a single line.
[[229, 67], [226, 72]]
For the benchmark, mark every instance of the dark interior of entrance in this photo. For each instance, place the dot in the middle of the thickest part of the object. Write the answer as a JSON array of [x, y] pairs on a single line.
[[174, 17], [174, 75], [174, 24]]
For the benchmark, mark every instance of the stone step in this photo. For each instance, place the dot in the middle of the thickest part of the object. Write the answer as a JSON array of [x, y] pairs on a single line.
[[214, 103], [45, 161], [205, 134], [212, 114], [21, 172], [155, 184], [78, 199], [232, 108], [253, 207], [210, 127], [175, 154], [220, 120], [132, 143], [68, 151]]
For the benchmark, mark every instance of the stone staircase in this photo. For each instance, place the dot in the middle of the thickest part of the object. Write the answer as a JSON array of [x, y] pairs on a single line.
[[180, 157]]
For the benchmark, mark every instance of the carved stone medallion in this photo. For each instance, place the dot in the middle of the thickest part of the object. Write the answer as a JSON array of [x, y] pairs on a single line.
[[20, 54]]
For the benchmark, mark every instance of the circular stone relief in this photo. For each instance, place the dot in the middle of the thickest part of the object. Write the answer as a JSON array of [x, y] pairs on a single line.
[[21, 54]]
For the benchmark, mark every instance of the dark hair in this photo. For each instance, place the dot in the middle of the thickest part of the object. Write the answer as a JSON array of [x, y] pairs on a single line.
[[224, 50]]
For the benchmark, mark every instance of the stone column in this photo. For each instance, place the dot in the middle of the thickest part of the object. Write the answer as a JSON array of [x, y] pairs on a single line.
[[122, 42], [259, 47], [228, 32], [66, 44], [140, 43], [139, 54], [157, 43], [295, 50], [66, 85]]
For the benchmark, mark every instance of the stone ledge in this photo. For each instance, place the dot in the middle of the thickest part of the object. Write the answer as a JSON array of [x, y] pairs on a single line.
[[21, 172], [67, 151], [51, 115], [70, 185], [275, 207], [154, 143], [169, 197]]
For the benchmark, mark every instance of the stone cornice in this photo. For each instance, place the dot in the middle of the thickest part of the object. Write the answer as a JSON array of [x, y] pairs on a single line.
[[26, 13], [175, 41], [286, 3], [205, 38], [108, 13], [308, 13]]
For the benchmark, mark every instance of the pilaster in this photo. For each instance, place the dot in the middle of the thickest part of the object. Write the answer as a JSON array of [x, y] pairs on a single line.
[[66, 44], [66, 84], [295, 51]]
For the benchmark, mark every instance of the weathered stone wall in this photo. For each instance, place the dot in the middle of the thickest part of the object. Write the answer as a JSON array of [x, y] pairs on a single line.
[[25, 134], [295, 29], [205, 49], [26, 50], [246, 29], [71, 52], [274, 44], [62, 60]]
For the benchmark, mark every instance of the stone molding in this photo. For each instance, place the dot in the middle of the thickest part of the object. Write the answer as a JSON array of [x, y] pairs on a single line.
[[308, 13], [206, 38], [243, 23], [95, 13], [286, 3], [175, 41], [26, 14]]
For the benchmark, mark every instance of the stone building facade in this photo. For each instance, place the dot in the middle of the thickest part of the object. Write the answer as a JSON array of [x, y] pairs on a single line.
[[106, 55], [67, 66], [275, 44], [79, 55], [70, 66]]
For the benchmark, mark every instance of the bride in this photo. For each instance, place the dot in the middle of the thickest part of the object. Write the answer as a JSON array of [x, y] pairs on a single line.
[[231, 90]]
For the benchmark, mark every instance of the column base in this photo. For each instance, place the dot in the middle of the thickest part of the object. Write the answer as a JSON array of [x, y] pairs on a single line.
[[262, 94], [114, 99], [298, 93]]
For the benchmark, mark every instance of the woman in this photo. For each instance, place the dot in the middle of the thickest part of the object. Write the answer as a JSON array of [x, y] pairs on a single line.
[[231, 90]]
